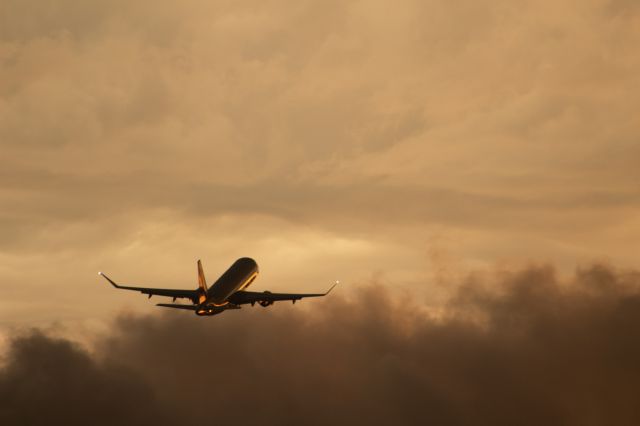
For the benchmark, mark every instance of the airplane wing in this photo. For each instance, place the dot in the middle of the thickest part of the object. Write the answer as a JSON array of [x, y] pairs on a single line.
[[175, 293], [266, 298]]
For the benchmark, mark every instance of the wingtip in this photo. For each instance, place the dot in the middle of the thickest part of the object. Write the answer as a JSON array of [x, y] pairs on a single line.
[[335, 284], [108, 279]]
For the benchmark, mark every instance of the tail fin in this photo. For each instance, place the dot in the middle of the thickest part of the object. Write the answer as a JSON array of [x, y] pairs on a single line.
[[202, 283]]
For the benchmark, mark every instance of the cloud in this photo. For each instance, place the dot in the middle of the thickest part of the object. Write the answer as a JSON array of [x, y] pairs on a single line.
[[520, 347], [144, 133], [326, 140], [49, 380]]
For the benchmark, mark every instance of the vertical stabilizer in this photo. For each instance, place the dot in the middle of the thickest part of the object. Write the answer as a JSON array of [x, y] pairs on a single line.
[[202, 283]]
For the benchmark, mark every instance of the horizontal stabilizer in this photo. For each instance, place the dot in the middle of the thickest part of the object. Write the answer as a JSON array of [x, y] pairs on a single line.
[[177, 306]]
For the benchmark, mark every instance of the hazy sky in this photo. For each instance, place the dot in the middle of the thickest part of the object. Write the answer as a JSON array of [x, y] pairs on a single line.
[[415, 148], [404, 143]]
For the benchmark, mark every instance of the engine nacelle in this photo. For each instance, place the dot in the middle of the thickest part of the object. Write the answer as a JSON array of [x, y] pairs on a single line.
[[265, 303]]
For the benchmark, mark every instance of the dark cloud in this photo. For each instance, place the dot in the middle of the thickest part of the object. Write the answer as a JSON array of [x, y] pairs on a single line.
[[53, 381], [525, 348]]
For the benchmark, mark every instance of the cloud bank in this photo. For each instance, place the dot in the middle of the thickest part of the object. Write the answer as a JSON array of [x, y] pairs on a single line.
[[521, 347]]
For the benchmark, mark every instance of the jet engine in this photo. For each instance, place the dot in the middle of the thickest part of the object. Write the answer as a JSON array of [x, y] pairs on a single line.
[[265, 303]]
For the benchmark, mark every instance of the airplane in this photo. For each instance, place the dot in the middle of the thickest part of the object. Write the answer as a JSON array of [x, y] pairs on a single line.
[[228, 292]]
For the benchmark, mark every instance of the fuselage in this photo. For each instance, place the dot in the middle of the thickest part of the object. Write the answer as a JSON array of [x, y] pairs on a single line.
[[238, 277]]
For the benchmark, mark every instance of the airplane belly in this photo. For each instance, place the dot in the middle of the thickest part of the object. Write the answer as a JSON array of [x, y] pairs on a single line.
[[239, 275]]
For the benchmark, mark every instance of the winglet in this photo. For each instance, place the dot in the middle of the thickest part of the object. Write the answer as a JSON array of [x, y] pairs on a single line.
[[329, 291], [109, 279]]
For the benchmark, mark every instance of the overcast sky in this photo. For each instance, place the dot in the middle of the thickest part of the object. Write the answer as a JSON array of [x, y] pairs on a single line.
[[329, 140], [406, 144]]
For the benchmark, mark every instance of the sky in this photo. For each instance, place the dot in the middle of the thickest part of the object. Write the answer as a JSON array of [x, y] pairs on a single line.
[[422, 150]]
